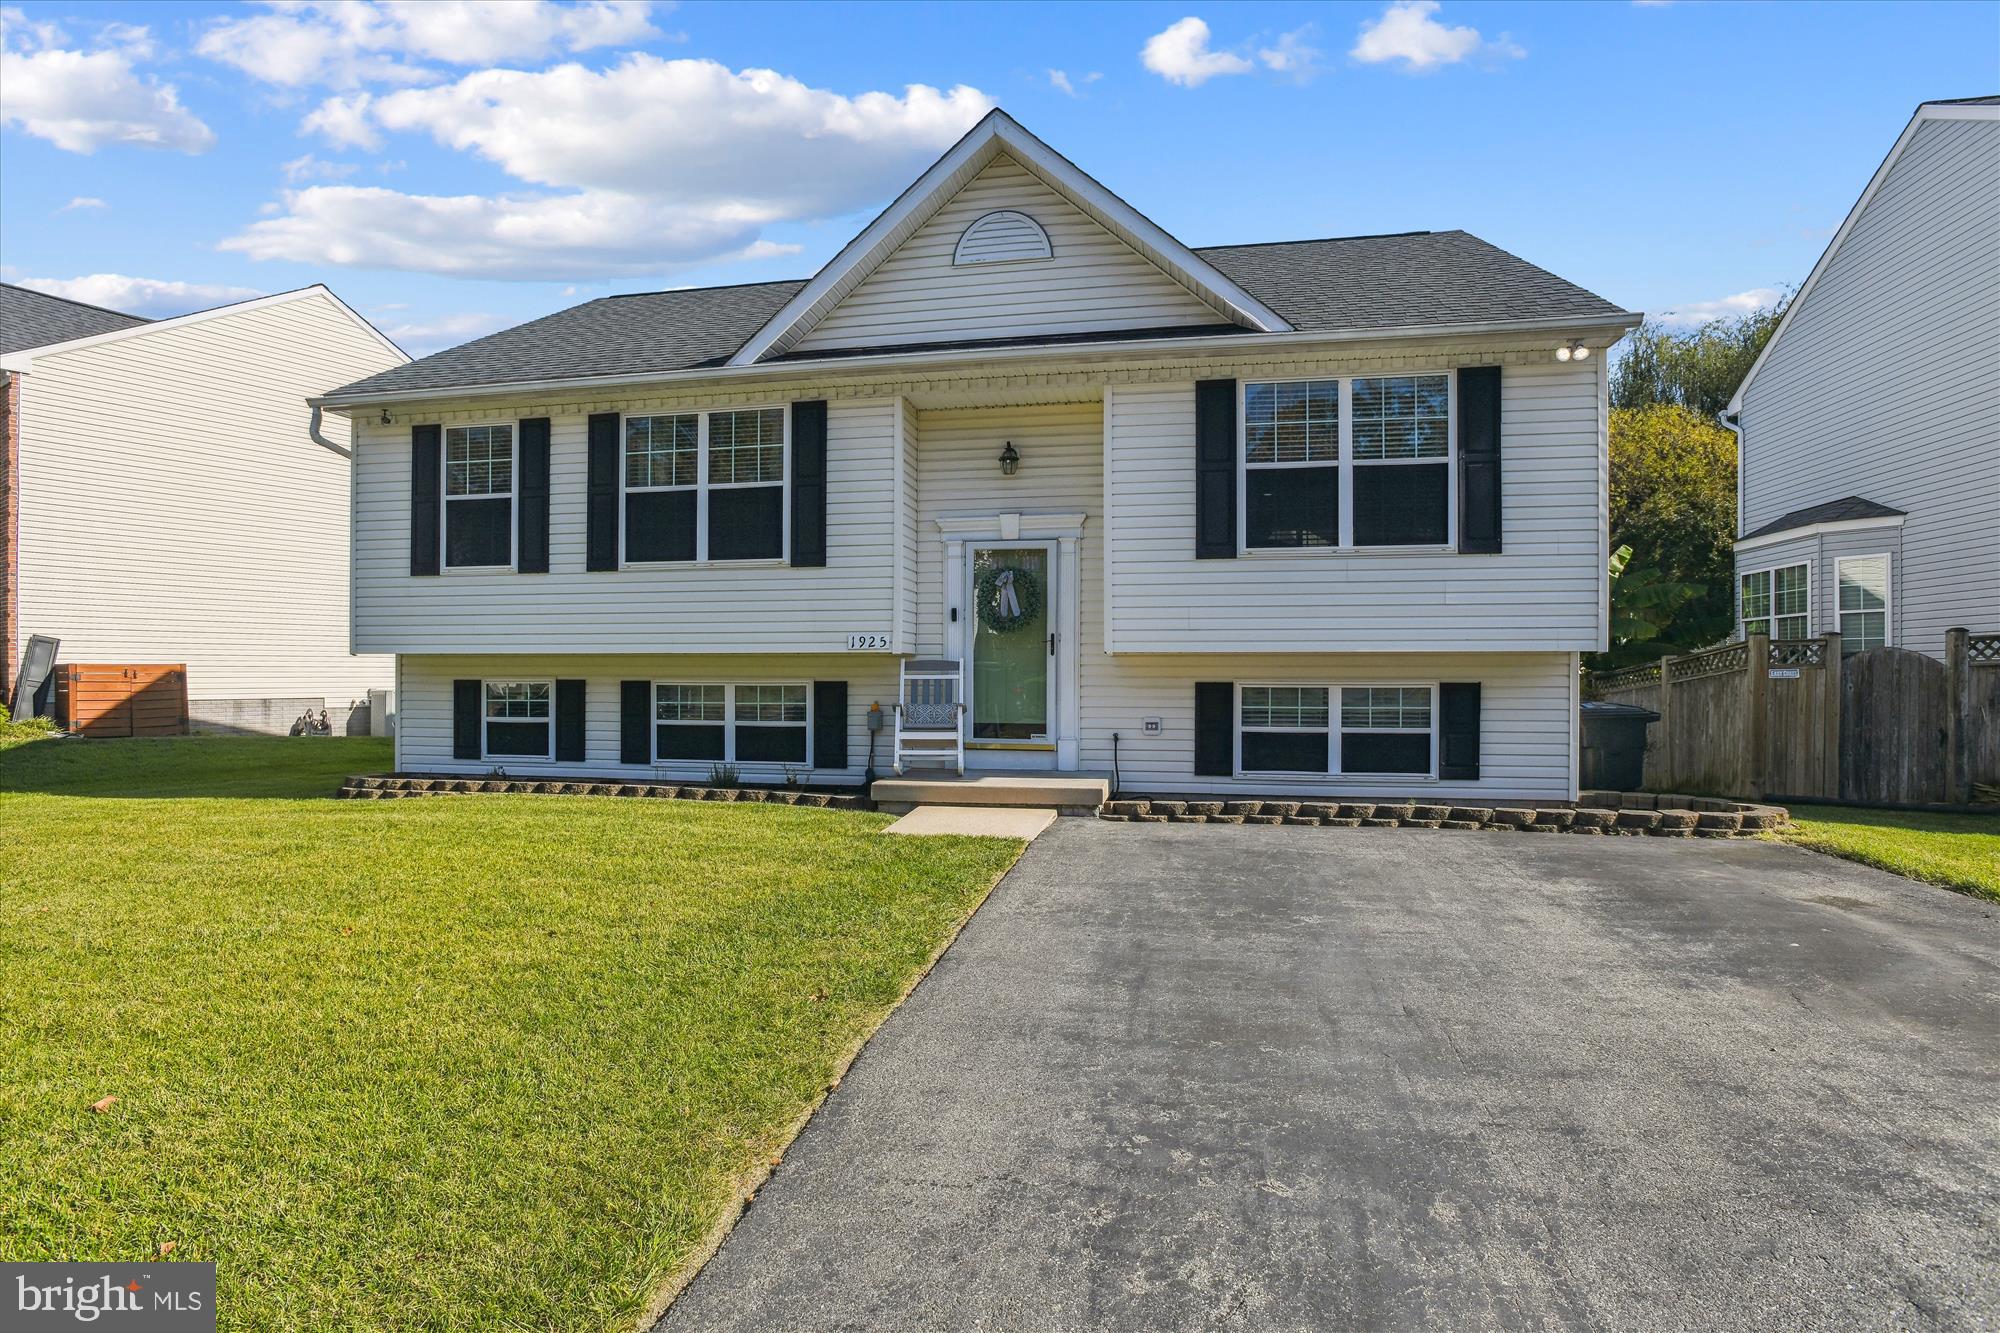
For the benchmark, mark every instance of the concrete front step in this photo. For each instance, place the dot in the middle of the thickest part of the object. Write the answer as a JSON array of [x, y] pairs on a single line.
[[1073, 795]]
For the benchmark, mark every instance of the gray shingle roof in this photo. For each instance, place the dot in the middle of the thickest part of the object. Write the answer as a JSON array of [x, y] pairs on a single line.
[[1336, 285], [1833, 511], [29, 318]]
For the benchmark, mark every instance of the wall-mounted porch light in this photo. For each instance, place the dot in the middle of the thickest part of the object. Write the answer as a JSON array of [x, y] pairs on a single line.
[[1575, 351], [387, 420], [1010, 459]]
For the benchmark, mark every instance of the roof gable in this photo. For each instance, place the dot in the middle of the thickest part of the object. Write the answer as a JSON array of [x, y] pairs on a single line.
[[999, 133], [24, 360], [1968, 108]]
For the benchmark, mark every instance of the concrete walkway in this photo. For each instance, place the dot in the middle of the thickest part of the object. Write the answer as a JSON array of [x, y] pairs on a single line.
[[1177, 1077], [975, 821]]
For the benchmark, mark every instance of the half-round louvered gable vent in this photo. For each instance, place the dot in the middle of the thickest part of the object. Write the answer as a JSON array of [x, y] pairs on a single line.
[[1003, 237]]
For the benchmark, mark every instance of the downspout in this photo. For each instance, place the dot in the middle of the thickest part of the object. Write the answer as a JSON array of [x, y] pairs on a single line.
[[1732, 422], [322, 441]]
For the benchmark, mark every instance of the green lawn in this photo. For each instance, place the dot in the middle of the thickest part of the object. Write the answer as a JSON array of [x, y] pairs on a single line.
[[1960, 852], [462, 1062]]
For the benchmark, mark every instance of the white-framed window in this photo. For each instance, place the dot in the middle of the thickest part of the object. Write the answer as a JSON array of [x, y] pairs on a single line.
[[706, 486], [767, 722], [1353, 464], [519, 719], [1368, 730], [1862, 582], [478, 528], [1777, 602], [1389, 729]]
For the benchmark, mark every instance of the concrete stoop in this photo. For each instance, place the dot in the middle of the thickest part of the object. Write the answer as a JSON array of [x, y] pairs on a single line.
[[1068, 793]]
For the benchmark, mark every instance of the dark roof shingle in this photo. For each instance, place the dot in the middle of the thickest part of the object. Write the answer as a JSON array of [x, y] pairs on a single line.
[[1335, 285], [1833, 511], [29, 319]]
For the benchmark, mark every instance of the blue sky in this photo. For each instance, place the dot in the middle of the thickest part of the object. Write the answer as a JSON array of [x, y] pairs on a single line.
[[454, 168]]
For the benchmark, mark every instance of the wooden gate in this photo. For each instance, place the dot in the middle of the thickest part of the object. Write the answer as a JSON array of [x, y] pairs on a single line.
[[1893, 728]]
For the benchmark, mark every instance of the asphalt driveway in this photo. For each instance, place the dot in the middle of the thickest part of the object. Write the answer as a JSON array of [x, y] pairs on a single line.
[[1181, 1076]]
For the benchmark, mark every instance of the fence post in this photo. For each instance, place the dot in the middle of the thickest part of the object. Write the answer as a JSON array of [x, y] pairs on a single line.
[[1833, 685], [1664, 780], [1757, 704], [1957, 774]]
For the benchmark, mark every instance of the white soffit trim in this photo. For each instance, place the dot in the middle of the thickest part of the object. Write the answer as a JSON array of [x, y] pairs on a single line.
[[1818, 530], [1927, 112], [24, 360], [998, 132]]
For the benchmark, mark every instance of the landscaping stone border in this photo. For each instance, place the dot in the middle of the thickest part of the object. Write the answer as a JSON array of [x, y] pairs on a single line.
[[1615, 814], [395, 786]]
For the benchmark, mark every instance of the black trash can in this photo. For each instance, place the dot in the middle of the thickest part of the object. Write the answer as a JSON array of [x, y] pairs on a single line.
[[1614, 746]]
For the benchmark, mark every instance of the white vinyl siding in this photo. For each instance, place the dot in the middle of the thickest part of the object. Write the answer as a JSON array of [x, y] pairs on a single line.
[[1094, 281], [1883, 384], [173, 507], [691, 608], [1543, 593]]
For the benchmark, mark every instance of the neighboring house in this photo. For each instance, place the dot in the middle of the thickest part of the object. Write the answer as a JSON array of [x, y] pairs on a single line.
[[167, 494], [1869, 428], [1312, 516]]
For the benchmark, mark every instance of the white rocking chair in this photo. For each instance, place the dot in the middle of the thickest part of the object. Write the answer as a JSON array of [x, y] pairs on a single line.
[[930, 711]]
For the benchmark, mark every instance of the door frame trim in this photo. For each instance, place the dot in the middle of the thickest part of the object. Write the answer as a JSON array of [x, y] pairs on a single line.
[[958, 531]]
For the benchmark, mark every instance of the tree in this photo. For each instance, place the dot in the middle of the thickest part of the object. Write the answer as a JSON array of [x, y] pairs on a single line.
[[1673, 502], [1698, 369], [1643, 603]]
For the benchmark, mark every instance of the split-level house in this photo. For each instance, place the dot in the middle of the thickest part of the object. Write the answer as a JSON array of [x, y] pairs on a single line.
[[1313, 516], [1869, 428], [168, 496]]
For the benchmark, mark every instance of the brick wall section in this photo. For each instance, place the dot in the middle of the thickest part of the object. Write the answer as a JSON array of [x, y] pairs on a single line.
[[10, 529]]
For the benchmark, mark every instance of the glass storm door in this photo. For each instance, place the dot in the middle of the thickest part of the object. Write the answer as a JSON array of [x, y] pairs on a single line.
[[1013, 665]]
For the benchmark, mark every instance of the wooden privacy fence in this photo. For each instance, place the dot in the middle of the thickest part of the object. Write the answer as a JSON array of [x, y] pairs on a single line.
[[1791, 718]]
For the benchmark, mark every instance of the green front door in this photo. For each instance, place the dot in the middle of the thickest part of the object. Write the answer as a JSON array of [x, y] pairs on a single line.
[[1011, 659]]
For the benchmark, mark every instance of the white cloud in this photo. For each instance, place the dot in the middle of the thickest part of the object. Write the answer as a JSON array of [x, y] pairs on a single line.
[[1291, 54], [660, 163], [1696, 313], [424, 336], [142, 296], [347, 43], [310, 168], [1180, 54], [82, 201], [1406, 31], [81, 100], [1061, 81], [343, 122]]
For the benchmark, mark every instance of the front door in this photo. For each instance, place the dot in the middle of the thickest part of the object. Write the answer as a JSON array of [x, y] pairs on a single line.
[[1013, 646]]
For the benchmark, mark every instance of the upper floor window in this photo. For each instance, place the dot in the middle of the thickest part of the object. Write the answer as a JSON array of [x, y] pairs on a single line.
[[1864, 602], [478, 497], [706, 486], [1777, 602], [1348, 463]]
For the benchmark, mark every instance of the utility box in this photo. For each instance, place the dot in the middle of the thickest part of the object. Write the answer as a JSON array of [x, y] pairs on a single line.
[[103, 700], [381, 712], [1614, 746]]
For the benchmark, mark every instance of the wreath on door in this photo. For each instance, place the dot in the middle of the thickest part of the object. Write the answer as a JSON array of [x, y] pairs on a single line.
[[1007, 599]]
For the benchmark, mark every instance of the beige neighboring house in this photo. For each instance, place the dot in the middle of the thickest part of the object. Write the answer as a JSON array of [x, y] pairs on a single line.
[[167, 494]]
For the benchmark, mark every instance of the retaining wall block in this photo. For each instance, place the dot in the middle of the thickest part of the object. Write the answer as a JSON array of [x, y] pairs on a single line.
[[1513, 817], [1638, 819], [1318, 811], [1263, 819], [1678, 819], [1474, 815], [1715, 821], [1204, 807], [1539, 827], [1764, 817], [1281, 808], [1380, 822], [1349, 810], [1394, 811], [1302, 819], [1664, 832], [1245, 808], [1125, 808], [1340, 821], [1226, 819], [1593, 818], [1560, 817], [1110, 818], [1168, 807], [1422, 823]]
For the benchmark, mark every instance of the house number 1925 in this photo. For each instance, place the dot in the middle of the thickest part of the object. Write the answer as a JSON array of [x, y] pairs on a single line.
[[867, 643]]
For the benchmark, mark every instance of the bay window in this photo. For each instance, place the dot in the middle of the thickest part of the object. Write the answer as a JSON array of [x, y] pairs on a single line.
[[1348, 464], [1777, 602], [705, 486], [479, 497], [1863, 582]]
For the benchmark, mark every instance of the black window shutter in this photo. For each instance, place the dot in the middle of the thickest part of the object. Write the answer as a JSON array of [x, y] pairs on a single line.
[[1214, 728], [829, 724], [1215, 470], [1479, 459], [426, 465], [635, 722], [465, 719], [601, 505], [1458, 732], [809, 483], [531, 509], [569, 720]]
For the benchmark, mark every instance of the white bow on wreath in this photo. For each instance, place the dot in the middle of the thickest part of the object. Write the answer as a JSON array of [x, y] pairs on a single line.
[[1006, 603]]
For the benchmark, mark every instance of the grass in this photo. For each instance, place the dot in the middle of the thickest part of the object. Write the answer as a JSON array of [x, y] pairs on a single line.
[[466, 1063], [1960, 852]]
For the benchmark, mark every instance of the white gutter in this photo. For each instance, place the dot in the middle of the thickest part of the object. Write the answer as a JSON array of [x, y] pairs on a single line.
[[1731, 422], [863, 365]]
